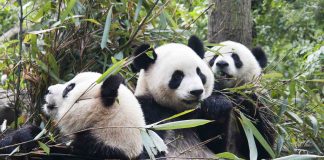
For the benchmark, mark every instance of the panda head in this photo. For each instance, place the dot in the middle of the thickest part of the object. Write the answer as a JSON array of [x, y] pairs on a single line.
[[66, 94], [80, 97], [53, 100], [174, 75], [234, 64]]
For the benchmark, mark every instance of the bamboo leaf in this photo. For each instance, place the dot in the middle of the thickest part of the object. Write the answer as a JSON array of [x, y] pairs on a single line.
[[257, 135], [14, 151], [150, 54], [272, 75], [147, 142], [105, 35], [44, 9], [170, 20], [44, 147], [178, 115], [92, 21], [45, 68], [280, 143], [40, 134], [249, 137], [4, 125], [299, 157], [316, 80], [158, 141], [294, 117], [312, 121], [68, 9], [138, 9], [112, 70], [181, 124], [227, 155]]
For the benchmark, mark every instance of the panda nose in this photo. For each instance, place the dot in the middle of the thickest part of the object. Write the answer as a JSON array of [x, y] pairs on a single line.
[[197, 92], [221, 64]]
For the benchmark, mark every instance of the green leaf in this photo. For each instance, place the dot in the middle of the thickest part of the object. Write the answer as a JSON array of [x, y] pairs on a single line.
[[299, 157], [280, 143], [292, 89], [138, 9], [249, 136], [68, 9], [272, 75], [45, 68], [44, 147], [294, 117], [227, 155], [181, 124], [105, 35], [114, 69], [92, 21], [312, 121], [149, 53], [178, 115], [257, 135], [170, 20], [44, 9], [316, 80]]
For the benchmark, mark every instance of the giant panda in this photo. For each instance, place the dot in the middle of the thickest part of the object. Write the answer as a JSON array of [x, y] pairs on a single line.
[[174, 78], [234, 65], [83, 109]]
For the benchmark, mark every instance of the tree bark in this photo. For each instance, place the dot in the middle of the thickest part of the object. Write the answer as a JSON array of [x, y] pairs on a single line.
[[230, 20]]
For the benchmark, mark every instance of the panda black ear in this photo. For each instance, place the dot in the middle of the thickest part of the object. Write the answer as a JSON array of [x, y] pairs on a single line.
[[197, 45], [142, 59], [109, 89], [260, 56]]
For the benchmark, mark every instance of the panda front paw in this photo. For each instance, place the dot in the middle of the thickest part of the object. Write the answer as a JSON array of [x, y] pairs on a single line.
[[217, 107]]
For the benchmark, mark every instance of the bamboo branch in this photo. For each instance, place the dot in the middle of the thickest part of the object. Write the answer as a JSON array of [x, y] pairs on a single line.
[[21, 20]]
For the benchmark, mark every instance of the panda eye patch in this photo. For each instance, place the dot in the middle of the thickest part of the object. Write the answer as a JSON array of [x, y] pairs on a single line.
[[237, 60], [201, 75], [212, 61], [68, 89], [176, 79]]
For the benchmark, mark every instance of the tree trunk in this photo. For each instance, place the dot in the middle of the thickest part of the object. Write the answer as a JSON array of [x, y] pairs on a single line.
[[230, 20]]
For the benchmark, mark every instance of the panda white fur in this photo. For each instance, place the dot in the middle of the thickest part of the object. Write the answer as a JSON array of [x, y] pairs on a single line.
[[82, 104], [234, 65], [53, 100], [174, 79]]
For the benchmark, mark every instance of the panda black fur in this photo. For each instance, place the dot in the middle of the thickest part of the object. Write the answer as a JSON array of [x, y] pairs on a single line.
[[82, 104], [236, 65], [24, 134], [174, 79]]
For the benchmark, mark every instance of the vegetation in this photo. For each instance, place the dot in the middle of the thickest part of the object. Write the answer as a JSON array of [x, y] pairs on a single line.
[[60, 38]]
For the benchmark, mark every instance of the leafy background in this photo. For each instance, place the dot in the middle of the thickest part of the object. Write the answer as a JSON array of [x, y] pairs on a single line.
[[61, 38]]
